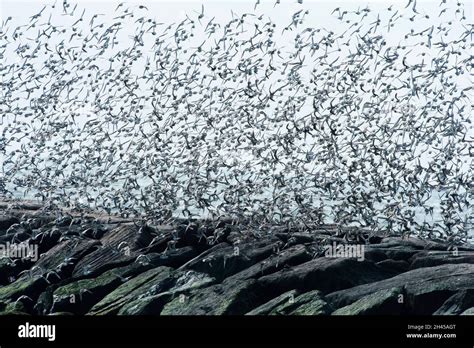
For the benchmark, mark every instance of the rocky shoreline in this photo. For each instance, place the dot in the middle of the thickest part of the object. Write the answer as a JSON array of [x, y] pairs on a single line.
[[94, 265]]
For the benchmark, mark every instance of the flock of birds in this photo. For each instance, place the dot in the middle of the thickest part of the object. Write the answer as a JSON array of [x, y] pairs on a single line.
[[294, 125]]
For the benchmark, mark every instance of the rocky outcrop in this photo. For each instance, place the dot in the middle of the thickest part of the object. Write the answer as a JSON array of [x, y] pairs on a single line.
[[426, 288], [90, 265]]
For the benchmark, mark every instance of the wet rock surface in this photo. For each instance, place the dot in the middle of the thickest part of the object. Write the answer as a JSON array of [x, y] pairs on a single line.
[[92, 265]]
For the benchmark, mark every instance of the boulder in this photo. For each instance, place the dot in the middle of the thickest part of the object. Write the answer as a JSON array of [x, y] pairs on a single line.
[[269, 306], [45, 240], [25, 285], [6, 221], [14, 309], [426, 288], [203, 234], [233, 298], [286, 258], [79, 296], [119, 247], [296, 238], [422, 244], [383, 302], [324, 274], [63, 257], [10, 269], [435, 258], [130, 290], [469, 311], [223, 260], [16, 233], [309, 303], [179, 284], [397, 266], [172, 258], [45, 301], [456, 304]]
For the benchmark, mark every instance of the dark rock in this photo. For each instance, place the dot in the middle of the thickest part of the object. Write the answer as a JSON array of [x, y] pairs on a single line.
[[16, 233], [63, 221], [46, 240], [128, 236], [374, 254], [27, 303], [172, 258], [96, 232], [435, 258], [409, 243], [269, 306], [44, 302], [324, 274], [234, 298], [79, 296], [286, 258], [399, 252], [397, 266], [296, 238], [114, 266], [156, 297], [383, 302], [129, 291], [427, 288], [420, 244], [7, 221], [235, 236], [39, 221], [24, 285], [375, 239], [159, 243], [458, 303], [101, 260], [15, 308], [309, 303], [383, 251], [53, 277], [120, 247], [63, 257], [10, 269], [223, 260], [193, 234]]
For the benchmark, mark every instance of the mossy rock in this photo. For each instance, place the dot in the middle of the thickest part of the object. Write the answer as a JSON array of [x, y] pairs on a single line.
[[23, 286], [383, 302], [44, 301], [309, 303], [179, 283], [235, 298], [14, 308], [78, 297], [129, 291], [267, 307]]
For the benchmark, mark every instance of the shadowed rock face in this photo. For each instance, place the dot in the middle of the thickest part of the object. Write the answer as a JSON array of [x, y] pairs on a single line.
[[459, 303], [129, 269], [426, 288], [382, 301]]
